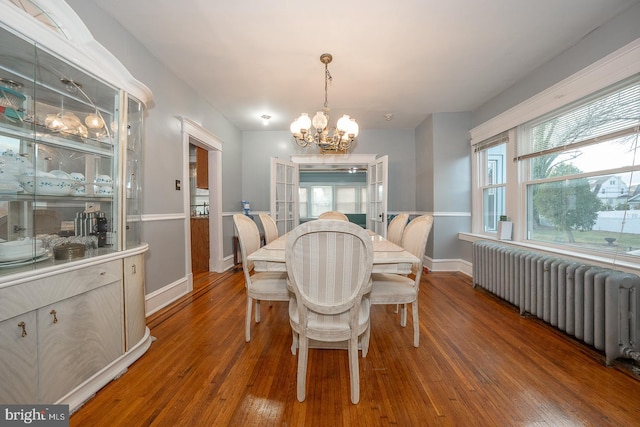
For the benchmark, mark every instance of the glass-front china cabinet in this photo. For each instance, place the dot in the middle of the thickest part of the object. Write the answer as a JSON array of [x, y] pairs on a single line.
[[72, 313]]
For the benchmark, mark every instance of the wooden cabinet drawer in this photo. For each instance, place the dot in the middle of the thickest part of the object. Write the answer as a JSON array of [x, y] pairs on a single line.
[[24, 297]]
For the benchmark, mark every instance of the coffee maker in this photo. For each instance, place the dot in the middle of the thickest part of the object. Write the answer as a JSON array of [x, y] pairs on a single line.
[[100, 228], [92, 224]]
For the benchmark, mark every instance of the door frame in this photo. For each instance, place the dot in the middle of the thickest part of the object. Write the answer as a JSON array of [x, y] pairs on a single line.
[[336, 160], [193, 133], [377, 183]]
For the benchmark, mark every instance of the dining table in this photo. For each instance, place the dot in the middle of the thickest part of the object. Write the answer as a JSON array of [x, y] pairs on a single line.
[[387, 256]]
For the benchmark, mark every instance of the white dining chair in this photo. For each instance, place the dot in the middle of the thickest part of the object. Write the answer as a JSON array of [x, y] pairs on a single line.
[[270, 228], [399, 289], [396, 228], [329, 266], [333, 215], [268, 286]]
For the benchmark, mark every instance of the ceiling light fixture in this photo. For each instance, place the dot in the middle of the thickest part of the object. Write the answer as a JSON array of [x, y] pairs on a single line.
[[265, 119], [341, 136]]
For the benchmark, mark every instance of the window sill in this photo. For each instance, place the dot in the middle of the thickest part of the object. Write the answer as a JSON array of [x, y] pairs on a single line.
[[612, 262]]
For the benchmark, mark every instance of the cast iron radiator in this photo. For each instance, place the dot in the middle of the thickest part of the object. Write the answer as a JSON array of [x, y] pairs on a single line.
[[599, 306]]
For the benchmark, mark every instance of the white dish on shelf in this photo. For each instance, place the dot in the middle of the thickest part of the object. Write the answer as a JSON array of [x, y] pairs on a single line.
[[17, 249], [42, 257], [38, 173], [13, 258], [9, 186], [105, 190], [48, 186], [77, 176], [102, 179], [61, 174]]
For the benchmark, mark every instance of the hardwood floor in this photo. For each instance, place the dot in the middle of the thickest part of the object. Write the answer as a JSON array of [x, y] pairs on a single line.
[[479, 364]]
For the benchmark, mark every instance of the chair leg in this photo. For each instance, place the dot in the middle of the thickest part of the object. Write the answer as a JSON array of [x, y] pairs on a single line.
[[294, 342], [303, 350], [257, 311], [364, 341], [354, 370], [416, 324], [403, 315], [247, 326]]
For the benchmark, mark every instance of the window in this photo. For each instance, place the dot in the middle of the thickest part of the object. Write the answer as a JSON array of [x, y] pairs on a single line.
[[491, 167], [581, 173], [321, 200], [346, 199], [332, 191], [317, 199]]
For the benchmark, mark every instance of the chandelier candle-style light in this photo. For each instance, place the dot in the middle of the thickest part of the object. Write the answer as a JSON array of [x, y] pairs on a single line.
[[336, 139]]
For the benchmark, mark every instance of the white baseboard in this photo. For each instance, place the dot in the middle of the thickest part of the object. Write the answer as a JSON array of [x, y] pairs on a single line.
[[466, 268], [163, 297], [228, 262], [460, 265]]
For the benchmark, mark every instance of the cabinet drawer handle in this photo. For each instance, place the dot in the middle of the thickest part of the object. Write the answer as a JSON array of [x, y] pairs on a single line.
[[133, 269], [55, 318], [24, 328], [103, 273]]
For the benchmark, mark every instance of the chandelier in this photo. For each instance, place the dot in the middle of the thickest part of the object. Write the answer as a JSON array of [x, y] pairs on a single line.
[[335, 139]]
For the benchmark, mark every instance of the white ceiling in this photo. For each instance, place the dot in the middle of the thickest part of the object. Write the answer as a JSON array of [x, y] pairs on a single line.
[[409, 58]]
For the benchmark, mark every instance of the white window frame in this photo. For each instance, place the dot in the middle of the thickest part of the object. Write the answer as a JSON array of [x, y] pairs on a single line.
[[478, 169], [526, 180], [619, 65]]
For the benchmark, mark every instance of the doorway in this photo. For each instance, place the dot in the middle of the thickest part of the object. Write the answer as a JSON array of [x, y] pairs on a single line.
[[376, 178], [199, 207], [195, 135]]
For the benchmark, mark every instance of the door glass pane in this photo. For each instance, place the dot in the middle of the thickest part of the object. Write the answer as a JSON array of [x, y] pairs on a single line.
[[302, 198], [346, 199], [321, 200]]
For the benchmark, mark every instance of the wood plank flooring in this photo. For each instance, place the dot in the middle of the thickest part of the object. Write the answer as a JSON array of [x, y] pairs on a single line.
[[479, 364]]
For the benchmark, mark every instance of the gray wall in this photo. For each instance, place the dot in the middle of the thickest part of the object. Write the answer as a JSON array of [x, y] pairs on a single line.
[[443, 175], [260, 146], [163, 145]]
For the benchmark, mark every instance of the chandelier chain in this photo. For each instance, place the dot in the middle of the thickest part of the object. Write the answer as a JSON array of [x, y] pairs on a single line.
[[327, 79]]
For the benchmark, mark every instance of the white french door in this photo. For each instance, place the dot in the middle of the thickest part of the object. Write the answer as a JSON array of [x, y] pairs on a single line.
[[284, 194], [377, 176]]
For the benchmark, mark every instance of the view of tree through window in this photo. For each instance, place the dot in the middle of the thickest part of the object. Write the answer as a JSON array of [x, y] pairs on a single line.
[[584, 178]]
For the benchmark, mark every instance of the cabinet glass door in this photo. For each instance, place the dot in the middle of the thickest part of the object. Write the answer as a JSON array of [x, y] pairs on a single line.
[[58, 157], [133, 173]]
